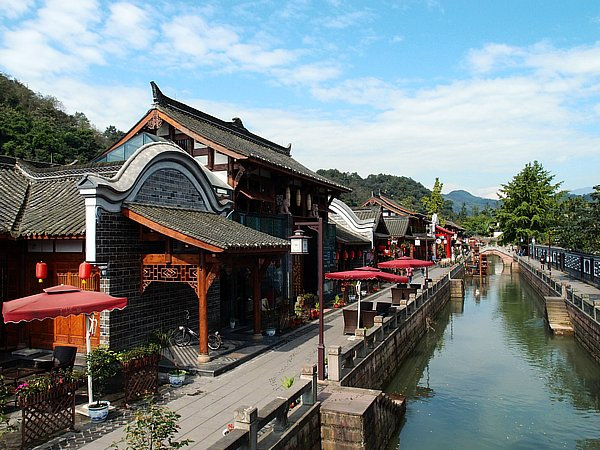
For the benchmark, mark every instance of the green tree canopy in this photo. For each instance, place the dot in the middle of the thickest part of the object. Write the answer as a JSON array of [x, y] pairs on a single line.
[[578, 226], [529, 204]]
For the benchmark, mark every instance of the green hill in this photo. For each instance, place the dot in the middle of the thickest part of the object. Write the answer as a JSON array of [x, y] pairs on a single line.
[[404, 190], [35, 127], [460, 197]]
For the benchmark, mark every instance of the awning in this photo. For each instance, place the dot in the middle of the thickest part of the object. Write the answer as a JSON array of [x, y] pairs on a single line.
[[204, 229], [366, 273], [59, 301], [404, 262]]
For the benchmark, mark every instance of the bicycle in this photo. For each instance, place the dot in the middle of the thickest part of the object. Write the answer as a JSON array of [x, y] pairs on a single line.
[[183, 336]]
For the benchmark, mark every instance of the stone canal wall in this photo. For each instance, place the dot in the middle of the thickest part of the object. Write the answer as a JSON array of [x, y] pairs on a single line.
[[583, 309], [378, 367]]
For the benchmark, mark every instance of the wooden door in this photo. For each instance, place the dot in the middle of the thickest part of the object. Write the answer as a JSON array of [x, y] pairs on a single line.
[[71, 330]]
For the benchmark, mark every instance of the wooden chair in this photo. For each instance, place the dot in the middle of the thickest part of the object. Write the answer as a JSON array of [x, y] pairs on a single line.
[[367, 318], [349, 320], [366, 306], [63, 358], [383, 308]]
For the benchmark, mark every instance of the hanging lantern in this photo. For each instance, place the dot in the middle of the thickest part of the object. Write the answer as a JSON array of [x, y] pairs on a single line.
[[85, 271], [337, 256], [299, 243], [298, 198], [41, 271], [345, 255], [308, 201], [359, 254], [351, 254], [288, 193]]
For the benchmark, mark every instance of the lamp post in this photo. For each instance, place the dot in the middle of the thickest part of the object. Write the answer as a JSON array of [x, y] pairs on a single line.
[[533, 246], [302, 243]]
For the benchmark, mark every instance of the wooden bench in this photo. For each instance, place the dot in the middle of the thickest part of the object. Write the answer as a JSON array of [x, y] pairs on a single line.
[[383, 308]]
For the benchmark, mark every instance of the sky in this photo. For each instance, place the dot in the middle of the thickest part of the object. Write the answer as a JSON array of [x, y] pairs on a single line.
[[467, 91]]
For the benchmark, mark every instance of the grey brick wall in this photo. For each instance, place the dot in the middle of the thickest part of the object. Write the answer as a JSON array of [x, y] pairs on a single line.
[[161, 306], [170, 187]]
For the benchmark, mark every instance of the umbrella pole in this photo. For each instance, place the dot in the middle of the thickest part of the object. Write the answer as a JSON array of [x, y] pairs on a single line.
[[88, 348], [358, 306]]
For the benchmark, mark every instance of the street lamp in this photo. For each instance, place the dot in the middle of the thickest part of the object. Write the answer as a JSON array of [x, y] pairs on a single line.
[[299, 246], [533, 246]]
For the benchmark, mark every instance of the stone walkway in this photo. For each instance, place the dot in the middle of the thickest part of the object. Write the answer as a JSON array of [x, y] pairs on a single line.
[[206, 406]]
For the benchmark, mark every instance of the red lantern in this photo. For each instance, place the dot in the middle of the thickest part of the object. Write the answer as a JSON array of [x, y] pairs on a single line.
[[85, 271], [337, 256], [345, 254], [360, 253], [41, 271], [351, 254]]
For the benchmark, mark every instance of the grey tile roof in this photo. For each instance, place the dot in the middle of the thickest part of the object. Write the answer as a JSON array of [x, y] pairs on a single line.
[[40, 201], [345, 235], [234, 136], [209, 228], [366, 213], [397, 225]]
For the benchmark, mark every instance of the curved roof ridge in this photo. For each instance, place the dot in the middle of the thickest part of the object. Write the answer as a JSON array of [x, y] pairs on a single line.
[[161, 99]]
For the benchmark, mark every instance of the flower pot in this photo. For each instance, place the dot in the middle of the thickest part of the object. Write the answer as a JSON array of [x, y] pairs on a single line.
[[176, 379], [270, 332], [98, 413]]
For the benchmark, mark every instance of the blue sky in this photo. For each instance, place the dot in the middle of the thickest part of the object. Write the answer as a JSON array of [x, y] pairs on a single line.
[[468, 91]]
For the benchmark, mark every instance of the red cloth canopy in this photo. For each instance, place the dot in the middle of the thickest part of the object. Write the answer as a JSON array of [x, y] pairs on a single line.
[[366, 273], [404, 263], [59, 301]]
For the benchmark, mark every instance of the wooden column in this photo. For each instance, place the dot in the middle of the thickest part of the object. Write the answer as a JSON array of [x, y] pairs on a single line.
[[202, 311], [256, 298]]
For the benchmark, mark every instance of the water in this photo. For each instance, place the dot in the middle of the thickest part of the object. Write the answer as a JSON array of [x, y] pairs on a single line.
[[492, 376]]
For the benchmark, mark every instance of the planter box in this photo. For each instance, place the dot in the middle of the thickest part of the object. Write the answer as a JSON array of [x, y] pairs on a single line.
[[45, 413], [140, 377]]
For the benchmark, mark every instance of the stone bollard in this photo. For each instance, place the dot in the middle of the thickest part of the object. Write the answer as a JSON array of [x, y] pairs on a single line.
[[361, 349], [310, 373], [412, 303], [334, 362], [246, 418], [394, 318], [380, 332]]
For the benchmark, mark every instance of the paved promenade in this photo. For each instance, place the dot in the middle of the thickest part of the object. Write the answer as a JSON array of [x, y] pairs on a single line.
[[209, 403]]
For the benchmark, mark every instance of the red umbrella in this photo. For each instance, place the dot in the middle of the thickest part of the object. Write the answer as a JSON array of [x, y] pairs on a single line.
[[365, 273], [404, 262], [63, 301], [59, 301]]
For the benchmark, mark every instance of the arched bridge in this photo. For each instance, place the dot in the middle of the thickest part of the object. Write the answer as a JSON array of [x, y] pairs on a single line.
[[502, 252]]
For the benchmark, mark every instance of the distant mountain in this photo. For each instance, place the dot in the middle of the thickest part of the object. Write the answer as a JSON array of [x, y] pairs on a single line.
[[460, 196], [403, 190], [582, 191]]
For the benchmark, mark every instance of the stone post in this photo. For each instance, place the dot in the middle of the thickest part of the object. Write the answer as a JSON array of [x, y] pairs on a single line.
[[334, 360], [246, 418], [380, 332], [310, 373], [412, 302], [281, 420], [394, 318], [360, 334]]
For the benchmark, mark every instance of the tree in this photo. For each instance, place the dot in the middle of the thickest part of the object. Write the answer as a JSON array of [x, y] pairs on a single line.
[[578, 226], [434, 203], [529, 204], [463, 214]]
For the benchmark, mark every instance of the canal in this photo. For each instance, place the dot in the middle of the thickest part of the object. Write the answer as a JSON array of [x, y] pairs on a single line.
[[492, 376]]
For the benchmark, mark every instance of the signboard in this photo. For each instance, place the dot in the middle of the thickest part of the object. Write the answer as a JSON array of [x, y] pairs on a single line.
[[417, 242]]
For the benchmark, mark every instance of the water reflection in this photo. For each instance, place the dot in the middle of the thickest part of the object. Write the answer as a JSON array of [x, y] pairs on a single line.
[[491, 376]]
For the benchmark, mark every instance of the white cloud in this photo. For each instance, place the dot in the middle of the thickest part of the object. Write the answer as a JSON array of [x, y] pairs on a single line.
[[346, 20], [14, 8], [131, 25]]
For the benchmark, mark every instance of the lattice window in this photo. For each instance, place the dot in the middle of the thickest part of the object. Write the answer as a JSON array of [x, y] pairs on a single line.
[[169, 273]]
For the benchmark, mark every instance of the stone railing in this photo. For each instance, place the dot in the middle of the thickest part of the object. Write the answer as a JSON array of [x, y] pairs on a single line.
[[586, 303], [341, 360], [252, 425]]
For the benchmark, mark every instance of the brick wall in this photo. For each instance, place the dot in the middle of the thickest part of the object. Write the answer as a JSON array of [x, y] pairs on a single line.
[[161, 306], [170, 187]]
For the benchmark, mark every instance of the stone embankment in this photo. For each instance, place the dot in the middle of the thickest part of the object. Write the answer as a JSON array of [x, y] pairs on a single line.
[[351, 412]]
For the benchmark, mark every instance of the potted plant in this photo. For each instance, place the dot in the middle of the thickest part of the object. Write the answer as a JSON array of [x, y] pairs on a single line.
[[177, 377], [315, 311], [102, 365]]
